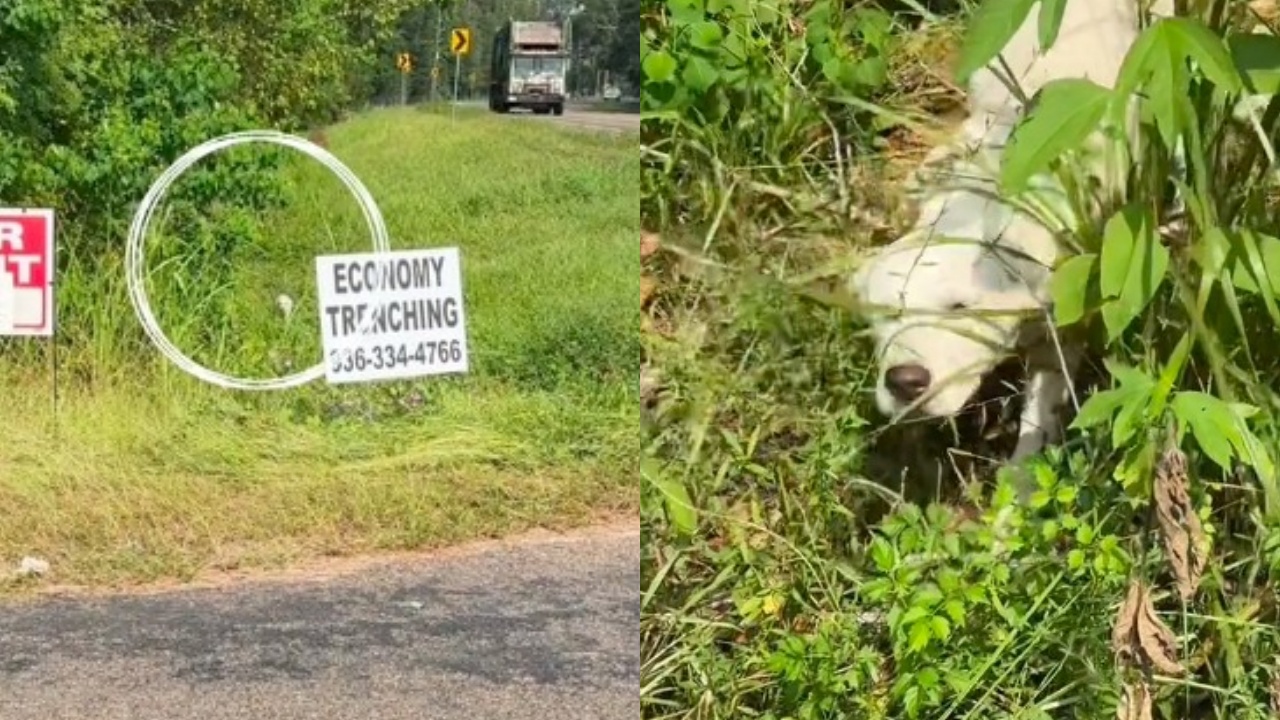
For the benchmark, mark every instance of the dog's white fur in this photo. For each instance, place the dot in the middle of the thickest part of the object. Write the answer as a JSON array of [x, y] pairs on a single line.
[[960, 308]]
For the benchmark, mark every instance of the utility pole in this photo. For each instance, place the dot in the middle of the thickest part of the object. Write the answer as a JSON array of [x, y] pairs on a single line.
[[569, 47], [436, 62]]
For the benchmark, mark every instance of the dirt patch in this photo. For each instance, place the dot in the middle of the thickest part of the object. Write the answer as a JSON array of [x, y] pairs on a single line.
[[332, 568]]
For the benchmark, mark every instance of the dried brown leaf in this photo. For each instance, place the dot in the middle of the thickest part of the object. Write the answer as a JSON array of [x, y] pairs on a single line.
[[649, 244], [1140, 635], [1185, 542], [650, 385], [1275, 688], [1135, 704], [1122, 632], [1265, 10], [1159, 646], [648, 287]]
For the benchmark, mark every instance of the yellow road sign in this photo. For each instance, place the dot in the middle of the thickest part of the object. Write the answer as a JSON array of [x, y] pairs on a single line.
[[460, 41], [404, 63]]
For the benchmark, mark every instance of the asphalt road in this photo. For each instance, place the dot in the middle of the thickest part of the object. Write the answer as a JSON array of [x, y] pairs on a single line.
[[535, 630], [612, 121], [616, 122]]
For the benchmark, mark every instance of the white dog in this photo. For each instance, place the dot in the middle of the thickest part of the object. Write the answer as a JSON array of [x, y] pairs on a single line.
[[967, 286]]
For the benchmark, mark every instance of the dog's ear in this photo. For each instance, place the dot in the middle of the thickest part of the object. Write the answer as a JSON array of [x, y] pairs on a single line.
[[1010, 281], [859, 282]]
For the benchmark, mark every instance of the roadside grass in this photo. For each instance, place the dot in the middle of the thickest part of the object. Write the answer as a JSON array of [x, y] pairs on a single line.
[[143, 473]]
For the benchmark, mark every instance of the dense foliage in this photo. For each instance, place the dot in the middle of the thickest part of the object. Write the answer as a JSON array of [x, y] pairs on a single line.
[[96, 98]]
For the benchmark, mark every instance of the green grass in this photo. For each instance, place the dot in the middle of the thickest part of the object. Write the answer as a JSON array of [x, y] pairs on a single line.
[[144, 473]]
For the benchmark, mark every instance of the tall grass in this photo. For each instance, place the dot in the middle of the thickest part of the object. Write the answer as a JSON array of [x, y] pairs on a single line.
[[140, 471]]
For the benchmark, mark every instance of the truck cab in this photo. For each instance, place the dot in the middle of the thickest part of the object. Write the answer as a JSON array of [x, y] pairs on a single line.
[[528, 69]]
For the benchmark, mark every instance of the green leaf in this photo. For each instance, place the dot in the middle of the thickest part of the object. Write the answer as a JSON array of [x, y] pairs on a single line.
[[832, 68], [914, 614], [919, 635], [1159, 60], [680, 510], [911, 701], [1211, 423], [1133, 267], [699, 75], [874, 26], [1256, 57], [765, 14], [1085, 534], [1066, 113], [1129, 420], [1066, 494], [955, 610], [928, 595], [1155, 62], [659, 67], [705, 35], [1213, 251], [876, 590], [817, 25], [1050, 530], [823, 52], [1244, 274], [1207, 48], [882, 555], [686, 11], [1169, 376], [1134, 389], [975, 594], [1128, 375], [1118, 242], [1075, 559], [948, 580], [1221, 431], [941, 628], [1099, 408], [869, 73], [1040, 498], [1050, 21], [991, 28], [1069, 286]]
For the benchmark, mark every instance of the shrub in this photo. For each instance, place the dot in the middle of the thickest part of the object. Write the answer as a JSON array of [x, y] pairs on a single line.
[[97, 98]]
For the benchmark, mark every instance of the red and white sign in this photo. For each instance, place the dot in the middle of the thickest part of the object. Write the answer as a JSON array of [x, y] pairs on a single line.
[[26, 272]]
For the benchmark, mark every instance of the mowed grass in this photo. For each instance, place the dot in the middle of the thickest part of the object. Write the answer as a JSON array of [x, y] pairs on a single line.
[[139, 472]]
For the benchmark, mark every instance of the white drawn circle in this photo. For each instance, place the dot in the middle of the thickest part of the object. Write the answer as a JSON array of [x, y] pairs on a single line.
[[136, 246]]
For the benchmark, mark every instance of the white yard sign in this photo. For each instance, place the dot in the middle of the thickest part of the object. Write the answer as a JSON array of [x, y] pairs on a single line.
[[394, 315]]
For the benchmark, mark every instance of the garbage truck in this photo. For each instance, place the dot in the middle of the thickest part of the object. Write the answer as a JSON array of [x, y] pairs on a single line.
[[528, 70]]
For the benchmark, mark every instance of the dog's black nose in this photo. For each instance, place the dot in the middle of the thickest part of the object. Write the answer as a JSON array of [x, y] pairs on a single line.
[[907, 382]]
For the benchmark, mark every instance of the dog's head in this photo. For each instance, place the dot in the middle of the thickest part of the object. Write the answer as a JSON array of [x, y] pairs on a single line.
[[944, 313]]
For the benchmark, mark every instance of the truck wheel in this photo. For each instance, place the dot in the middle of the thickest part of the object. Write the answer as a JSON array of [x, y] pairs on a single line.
[[558, 110]]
